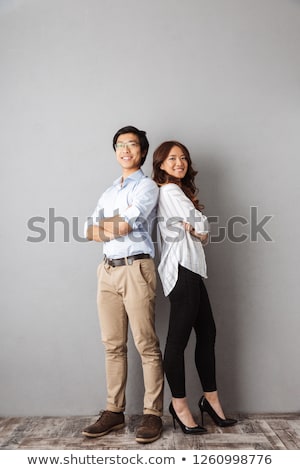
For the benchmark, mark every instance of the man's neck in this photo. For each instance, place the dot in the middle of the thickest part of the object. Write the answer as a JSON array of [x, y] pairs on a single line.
[[128, 173]]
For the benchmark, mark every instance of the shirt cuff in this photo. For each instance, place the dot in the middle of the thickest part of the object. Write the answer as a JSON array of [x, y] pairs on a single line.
[[202, 226]]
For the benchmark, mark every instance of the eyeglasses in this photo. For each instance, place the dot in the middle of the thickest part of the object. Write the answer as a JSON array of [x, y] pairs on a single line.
[[131, 144]]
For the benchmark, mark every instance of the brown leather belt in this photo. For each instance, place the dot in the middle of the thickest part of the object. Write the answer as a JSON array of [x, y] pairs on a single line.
[[124, 261]]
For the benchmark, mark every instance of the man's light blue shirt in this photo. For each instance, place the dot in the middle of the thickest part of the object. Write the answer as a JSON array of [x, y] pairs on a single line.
[[135, 200]]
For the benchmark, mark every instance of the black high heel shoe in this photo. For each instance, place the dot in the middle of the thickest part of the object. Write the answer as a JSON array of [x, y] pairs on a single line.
[[204, 405], [186, 429]]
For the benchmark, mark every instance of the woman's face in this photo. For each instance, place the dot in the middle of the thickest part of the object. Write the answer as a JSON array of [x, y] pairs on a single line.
[[176, 163]]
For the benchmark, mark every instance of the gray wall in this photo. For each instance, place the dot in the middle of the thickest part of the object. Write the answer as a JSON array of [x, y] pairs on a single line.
[[222, 77]]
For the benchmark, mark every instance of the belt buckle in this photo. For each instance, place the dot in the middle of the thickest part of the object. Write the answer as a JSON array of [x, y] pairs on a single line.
[[130, 260]]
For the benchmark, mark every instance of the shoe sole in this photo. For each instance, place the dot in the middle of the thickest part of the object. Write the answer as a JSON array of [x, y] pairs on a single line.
[[99, 434], [147, 440]]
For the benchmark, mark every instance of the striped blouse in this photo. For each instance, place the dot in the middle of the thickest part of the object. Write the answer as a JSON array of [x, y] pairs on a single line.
[[177, 245]]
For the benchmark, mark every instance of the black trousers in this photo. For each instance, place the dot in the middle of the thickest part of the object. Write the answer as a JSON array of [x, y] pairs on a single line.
[[190, 308]]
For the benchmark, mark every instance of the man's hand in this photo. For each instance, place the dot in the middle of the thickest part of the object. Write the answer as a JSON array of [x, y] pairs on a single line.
[[108, 229], [115, 225], [97, 234]]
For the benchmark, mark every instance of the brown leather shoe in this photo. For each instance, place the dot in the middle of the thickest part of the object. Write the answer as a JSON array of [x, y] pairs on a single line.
[[108, 421], [149, 429]]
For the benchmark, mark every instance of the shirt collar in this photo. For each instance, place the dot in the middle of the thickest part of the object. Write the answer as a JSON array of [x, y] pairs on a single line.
[[137, 175]]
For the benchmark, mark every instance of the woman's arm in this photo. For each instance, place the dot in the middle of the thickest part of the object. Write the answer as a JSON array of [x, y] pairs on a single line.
[[179, 209], [203, 236]]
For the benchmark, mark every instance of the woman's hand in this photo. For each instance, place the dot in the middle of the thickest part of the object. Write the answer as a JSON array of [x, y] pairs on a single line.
[[189, 228]]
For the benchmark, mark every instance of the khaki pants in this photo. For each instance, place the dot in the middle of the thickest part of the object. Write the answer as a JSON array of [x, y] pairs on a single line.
[[127, 293]]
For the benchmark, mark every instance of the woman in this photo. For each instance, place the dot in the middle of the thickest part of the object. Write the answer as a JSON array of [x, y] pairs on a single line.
[[183, 229]]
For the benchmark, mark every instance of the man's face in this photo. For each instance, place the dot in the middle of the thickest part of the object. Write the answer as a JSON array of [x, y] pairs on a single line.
[[128, 152]]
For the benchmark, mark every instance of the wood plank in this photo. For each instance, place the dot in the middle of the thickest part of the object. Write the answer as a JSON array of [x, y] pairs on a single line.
[[258, 432]]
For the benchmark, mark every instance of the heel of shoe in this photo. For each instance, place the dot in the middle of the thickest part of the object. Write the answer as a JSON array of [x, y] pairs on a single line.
[[202, 418], [172, 413], [174, 422]]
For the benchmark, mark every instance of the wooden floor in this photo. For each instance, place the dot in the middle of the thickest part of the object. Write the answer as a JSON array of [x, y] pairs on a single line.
[[260, 432]]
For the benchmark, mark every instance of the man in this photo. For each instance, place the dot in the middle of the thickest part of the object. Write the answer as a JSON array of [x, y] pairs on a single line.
[[126, 286]]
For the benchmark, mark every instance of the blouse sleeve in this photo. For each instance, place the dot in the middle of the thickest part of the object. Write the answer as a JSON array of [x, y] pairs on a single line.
[[176, 207]]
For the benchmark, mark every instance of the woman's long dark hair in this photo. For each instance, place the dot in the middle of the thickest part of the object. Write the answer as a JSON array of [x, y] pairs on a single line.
[[187, 183]]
